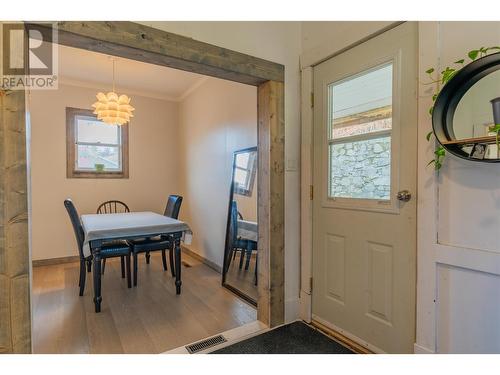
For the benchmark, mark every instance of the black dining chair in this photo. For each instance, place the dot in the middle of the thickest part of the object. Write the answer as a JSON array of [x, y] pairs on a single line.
[[244, 245], [114, 207], [107, 251], [162, 243]]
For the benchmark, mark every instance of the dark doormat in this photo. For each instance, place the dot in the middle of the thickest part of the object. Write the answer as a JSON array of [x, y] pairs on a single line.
[[294, 338]]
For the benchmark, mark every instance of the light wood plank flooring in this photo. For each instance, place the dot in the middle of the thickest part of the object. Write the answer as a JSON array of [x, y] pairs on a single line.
[[241, 279], [149, 318]]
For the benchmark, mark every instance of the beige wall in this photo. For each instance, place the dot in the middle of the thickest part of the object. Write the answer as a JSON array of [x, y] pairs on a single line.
[[217, 119], [153, 166], [247, 205]]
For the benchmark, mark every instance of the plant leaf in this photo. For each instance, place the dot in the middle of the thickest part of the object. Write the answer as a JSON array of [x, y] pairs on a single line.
[[440, 151], [461, 61], [429, 71], [428, 136], [431, 109], [473, 54], [432, 161], [434, 97], [447, 74], [438, 165]]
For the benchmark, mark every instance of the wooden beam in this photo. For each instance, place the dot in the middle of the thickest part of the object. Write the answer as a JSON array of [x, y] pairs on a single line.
[[143, 43], [271, 197]]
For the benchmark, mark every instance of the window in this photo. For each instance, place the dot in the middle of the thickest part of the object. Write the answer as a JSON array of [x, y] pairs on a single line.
[[359, 135], [244, 172], [95, 149]]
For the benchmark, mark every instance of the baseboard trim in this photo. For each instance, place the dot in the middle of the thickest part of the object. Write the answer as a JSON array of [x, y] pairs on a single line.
[[344, 340], [54, 261], [203, 260]]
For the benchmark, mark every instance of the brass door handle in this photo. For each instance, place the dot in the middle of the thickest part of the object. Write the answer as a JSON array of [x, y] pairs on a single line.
[[404, 195]]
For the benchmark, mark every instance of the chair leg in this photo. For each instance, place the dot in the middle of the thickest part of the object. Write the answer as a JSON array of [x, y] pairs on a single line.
[[171, 259], [81, 282], [103, 265], [129, 281], [242, 256], [148, 256], [249, 255], [256, 263], [89, 265], [135, 269], [122, 264], [164, 259]]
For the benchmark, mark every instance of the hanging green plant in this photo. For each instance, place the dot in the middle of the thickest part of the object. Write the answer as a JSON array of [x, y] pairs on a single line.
[[439, 81]]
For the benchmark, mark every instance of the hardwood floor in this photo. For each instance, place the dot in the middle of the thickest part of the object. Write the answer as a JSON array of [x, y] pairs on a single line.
[[241, 279], [149, 318]]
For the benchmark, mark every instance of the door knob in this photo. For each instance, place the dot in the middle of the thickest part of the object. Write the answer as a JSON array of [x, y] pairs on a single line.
[[404, 195]]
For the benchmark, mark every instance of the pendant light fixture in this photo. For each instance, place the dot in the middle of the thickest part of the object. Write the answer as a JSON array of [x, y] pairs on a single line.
[[111, 108]]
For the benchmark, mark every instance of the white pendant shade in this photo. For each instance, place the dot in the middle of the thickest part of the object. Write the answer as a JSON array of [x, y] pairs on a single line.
[[113, 109]]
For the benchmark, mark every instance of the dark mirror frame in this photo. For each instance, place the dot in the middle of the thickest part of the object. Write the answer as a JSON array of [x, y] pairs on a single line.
[[449, 97], [227, 252]]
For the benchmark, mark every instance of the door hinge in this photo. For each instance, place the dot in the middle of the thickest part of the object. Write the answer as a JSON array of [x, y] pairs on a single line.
[[311, 192], [310, 284], [312, 100]]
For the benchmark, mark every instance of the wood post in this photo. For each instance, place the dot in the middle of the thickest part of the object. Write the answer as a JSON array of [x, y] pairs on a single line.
[[271, 198], [15, 321]]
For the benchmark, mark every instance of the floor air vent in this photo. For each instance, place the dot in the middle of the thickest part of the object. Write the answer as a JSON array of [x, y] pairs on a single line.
[[205, 344]]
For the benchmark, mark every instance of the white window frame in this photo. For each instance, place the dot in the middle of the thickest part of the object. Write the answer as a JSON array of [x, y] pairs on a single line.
[[364, 204]]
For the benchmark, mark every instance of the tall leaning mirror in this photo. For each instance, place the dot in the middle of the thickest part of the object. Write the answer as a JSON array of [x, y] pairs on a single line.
[[240, 254]]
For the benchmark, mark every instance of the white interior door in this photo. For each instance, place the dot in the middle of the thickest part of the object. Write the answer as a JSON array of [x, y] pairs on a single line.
[[365, 153]]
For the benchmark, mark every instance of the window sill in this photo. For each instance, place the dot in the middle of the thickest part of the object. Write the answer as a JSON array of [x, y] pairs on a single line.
[[97, 175]]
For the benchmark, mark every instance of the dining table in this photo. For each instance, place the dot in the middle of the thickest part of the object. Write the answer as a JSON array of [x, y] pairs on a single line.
[[101, 228], [248, 230]]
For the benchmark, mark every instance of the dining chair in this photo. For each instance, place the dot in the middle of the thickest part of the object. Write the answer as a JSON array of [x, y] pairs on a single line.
[[240, 217], [162, 243], [114, 207], [107, 251], [244, 245]]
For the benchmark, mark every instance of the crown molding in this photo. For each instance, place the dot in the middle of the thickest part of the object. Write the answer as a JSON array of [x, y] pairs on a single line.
[[193, 88]]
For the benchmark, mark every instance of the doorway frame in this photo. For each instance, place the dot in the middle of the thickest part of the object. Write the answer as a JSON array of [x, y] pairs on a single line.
[[143, 43]]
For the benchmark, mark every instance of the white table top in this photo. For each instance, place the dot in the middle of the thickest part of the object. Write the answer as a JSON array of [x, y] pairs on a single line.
[[248, 230], [130, 224]]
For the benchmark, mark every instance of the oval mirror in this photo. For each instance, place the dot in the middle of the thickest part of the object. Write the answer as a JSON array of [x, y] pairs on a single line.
[[467, 110]]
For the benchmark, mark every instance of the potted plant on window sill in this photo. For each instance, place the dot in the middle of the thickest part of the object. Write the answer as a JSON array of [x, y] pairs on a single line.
[[99, 168]]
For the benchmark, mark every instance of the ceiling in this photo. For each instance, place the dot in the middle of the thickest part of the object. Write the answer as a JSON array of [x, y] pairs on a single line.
[[92, 69]]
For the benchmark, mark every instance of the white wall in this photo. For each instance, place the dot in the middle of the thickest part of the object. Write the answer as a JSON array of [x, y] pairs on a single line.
[[152, 166], [278, 42], [215, 120], [459, 219]]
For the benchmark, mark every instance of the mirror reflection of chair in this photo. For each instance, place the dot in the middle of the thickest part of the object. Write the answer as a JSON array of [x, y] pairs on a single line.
[[240, 253], [162, 243], [245, 246]]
